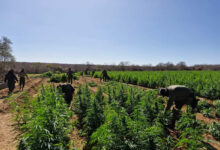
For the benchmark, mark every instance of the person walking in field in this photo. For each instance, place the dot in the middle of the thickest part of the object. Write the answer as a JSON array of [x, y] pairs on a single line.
[[11, 79], [104, 75], [22, 75], [70, 76], [179, 95], [93, 72]]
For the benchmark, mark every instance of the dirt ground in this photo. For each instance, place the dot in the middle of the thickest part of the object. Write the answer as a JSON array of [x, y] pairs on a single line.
[[9, 135]]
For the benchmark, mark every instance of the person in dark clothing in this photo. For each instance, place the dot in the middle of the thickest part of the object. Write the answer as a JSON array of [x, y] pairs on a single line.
[[22, 76], [93, 72], [68, 91], [86, 72], [11, 78], [70, 76], [104, 75], [179, 95]]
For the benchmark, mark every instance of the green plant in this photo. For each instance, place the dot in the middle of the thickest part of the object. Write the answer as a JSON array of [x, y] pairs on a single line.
[[190, 132], [92, 84], [202, 104], [47, 74], [209, 112], [217, 106], [204, 83], [22, 110], [49, 125], [215, 130]]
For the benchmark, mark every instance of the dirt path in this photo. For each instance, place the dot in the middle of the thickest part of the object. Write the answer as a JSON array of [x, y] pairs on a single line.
[[79, 142], [8, 134]]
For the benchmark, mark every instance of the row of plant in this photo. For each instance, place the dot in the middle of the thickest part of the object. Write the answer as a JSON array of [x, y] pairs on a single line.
[[43, 121], [123, 117], [209, 110], [205, 83], [58, 76]]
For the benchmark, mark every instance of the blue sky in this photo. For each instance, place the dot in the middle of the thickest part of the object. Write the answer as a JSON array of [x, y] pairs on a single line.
[[110, 31]]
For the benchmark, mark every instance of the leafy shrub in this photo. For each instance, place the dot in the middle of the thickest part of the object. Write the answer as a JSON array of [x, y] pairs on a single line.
[[205, 83], [22, 109], [202, 104], [217, 106], [57, 72], [75, 77], [49, 125], [190, 132], [218, 113], [208, 112], [130, 118], [58, 78], [216, 103], [92, 84], [215, 130], [47, 74]]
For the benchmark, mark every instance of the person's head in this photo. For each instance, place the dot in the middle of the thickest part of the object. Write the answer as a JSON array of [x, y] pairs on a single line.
[[22, 70], [69, 69], [164, 92], [11, 71]]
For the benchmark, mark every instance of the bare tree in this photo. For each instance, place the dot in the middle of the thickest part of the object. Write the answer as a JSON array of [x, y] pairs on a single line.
[[6, 57]]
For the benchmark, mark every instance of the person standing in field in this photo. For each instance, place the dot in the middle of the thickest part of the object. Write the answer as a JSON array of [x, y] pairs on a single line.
[[11, 79], [22, 75], [179, 95], [70, 75], [104, 75], [93, 72]]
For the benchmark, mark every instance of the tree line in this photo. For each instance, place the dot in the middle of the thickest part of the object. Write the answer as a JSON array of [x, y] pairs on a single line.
[[7, 61]]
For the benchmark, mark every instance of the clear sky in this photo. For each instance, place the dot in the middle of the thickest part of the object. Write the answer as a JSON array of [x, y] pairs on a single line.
[[110, 31]]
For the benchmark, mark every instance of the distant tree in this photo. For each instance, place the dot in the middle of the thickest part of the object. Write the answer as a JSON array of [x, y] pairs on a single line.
[[181, 65], [122, 65], [36, 67], [6, 57], [6, 50]]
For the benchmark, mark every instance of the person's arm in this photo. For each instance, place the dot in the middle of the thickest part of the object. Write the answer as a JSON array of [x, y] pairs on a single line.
[[16, 79], [6, 78], [169, 104], [26, 76]]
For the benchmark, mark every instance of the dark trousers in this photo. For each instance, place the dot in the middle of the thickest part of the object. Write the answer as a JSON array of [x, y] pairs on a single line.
[[22, 82], [70, 80], [11, 86]]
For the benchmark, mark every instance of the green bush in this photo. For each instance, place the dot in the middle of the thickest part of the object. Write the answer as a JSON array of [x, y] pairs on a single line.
[[204, 83], [206, 109], [215, 130], [92, 84], [58, 78], [208, 112], [218, 113], [202, 104], [47, 74], [191, 132], [216, 103], [49, 125]]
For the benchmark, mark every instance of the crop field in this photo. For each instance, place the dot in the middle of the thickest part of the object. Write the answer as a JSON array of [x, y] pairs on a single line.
[[125, 113], [204, 83]]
